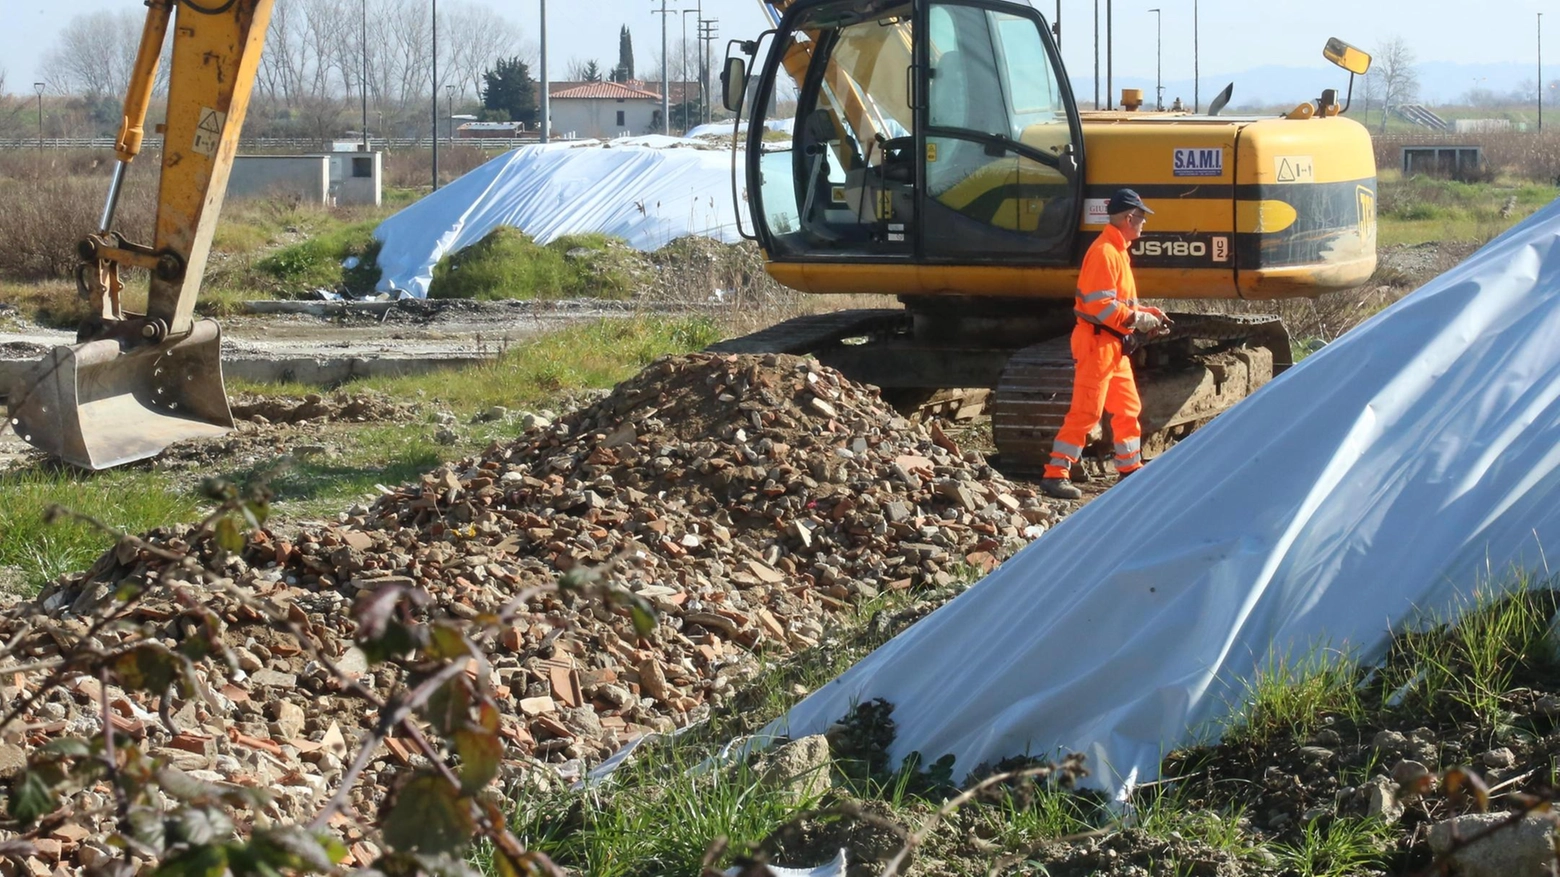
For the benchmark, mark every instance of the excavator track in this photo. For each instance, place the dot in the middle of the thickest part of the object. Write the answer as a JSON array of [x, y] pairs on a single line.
[[1204, 366], [806, 334]]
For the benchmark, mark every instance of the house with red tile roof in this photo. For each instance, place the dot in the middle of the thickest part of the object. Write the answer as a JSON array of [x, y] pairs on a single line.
[[606, 109]]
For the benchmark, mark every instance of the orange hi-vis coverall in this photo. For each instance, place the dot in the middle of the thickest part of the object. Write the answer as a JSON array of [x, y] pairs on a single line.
[[1106, 305]]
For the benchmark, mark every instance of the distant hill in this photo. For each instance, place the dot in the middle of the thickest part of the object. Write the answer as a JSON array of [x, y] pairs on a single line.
[[1440, 82]]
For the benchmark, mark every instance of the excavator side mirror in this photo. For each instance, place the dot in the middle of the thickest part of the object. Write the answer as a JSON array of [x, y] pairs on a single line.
[[1346, 56], [733, 81]]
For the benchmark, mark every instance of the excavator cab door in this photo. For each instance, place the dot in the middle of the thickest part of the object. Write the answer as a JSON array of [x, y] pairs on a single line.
[[1002, 141], [920, 132]]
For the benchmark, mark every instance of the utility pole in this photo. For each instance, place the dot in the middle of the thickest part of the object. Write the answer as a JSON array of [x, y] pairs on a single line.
[[706, 36], [1541, 73], [1096, 54], [435, 129], [1110, 56], [666, 82], [1159, 43], [546, 86], [685, 69], [449, 107], [685, 125], [39, 87], [364, 81], [1196, 64], [704, 78]]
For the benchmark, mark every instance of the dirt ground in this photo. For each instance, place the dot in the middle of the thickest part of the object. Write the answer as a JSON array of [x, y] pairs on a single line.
[[438, 329], [1299, 780]]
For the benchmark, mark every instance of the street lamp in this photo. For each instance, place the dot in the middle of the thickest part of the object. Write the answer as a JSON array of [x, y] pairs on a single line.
[[434, 128], [363, 44], [38, 87], [1159, 88], [546, 87], [666, 74], [449, 104]]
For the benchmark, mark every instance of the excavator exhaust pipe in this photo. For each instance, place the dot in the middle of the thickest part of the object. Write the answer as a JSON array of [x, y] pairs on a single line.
[[97, 406]]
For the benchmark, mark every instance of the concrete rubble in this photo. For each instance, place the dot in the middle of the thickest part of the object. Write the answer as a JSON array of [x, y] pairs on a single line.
[[749, 499]]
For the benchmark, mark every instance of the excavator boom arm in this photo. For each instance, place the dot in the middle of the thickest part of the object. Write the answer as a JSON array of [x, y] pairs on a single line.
[[136, 383], [216, 53]]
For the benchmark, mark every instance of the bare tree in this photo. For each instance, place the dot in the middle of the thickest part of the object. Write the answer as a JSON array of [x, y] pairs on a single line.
[[478, 37], [584, 70], [1392, 81], [11, 107], [95, 54]]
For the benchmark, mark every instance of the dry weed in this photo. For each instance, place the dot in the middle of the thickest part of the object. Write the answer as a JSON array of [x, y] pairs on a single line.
[[42, 219], [1526, 155]]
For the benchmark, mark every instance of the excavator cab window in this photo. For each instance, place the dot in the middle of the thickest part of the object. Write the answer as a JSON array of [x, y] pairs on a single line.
[[843, 73], [935, 129]]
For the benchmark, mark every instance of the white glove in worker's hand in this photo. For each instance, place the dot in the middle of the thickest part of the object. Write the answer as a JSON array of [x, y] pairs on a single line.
[[1145, 321]]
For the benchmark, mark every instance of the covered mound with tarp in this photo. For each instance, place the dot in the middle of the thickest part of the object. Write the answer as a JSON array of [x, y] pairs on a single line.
[[1371, 487], [648, 191]]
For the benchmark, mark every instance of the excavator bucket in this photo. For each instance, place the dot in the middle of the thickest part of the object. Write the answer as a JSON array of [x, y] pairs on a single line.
[[96, 406]]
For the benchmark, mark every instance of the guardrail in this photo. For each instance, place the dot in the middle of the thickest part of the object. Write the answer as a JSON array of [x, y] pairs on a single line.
[[305, 144]]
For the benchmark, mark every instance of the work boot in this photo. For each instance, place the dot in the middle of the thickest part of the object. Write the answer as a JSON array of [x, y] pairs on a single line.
[[1122, 476], [1059, 488]]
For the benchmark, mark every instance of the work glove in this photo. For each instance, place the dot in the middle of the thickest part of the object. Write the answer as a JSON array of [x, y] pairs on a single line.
[[1146, 321]]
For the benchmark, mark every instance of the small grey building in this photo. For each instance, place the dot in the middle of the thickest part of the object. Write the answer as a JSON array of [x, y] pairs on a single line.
[[323, 178]]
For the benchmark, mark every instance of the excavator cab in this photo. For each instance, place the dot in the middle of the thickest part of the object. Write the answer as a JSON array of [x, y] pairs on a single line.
[[135, 383], [928, 131]]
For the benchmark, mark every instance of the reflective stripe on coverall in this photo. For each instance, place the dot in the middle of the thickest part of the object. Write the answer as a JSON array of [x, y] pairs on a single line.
[[1102, 376]]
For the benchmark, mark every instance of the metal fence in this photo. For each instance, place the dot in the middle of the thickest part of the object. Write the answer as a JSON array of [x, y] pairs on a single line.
[[267, 144]]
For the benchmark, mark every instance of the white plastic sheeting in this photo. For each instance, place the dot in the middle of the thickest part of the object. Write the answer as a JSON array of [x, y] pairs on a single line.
[[724, 128], [1384, 477], [646, 190], [834, 868]]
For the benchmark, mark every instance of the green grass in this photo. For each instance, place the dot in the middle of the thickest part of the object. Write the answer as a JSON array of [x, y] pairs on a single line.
[[1421, 209], [317, 486], [1340, 847], [317, 261], [508, 264], [1468, 667], [592, 355], [1290, 697], [658, 817], [129, 500]]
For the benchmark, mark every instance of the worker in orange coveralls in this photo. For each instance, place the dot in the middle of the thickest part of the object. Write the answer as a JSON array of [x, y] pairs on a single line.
[[1108, 315]]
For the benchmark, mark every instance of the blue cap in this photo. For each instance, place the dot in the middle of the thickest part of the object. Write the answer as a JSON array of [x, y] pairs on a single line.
[[1124, 200]]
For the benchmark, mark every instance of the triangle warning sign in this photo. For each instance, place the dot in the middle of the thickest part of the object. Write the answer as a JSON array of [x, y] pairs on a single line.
[[1286, 171], [210, 123]]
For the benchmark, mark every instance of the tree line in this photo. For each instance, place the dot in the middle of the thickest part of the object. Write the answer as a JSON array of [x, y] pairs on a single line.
[[320, 57]]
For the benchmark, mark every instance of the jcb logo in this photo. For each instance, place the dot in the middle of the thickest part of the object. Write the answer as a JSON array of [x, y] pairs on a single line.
[[1366, 200]]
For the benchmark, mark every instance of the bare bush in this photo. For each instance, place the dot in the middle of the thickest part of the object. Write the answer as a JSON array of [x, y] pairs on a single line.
[[413, 168], [1523, 154], [46, 208]]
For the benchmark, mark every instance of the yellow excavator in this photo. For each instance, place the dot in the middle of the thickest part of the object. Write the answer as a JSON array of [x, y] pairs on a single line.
[[135, 383], [937, 154]]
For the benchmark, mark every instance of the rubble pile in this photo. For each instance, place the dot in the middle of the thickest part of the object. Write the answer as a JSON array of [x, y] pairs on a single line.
[[747, 498]]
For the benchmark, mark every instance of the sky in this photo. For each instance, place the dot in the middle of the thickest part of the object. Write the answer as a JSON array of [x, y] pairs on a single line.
[[1235, 35]]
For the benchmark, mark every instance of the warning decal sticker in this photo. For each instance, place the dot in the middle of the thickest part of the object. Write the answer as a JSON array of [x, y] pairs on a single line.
[[208, 134], [1293, 169]]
